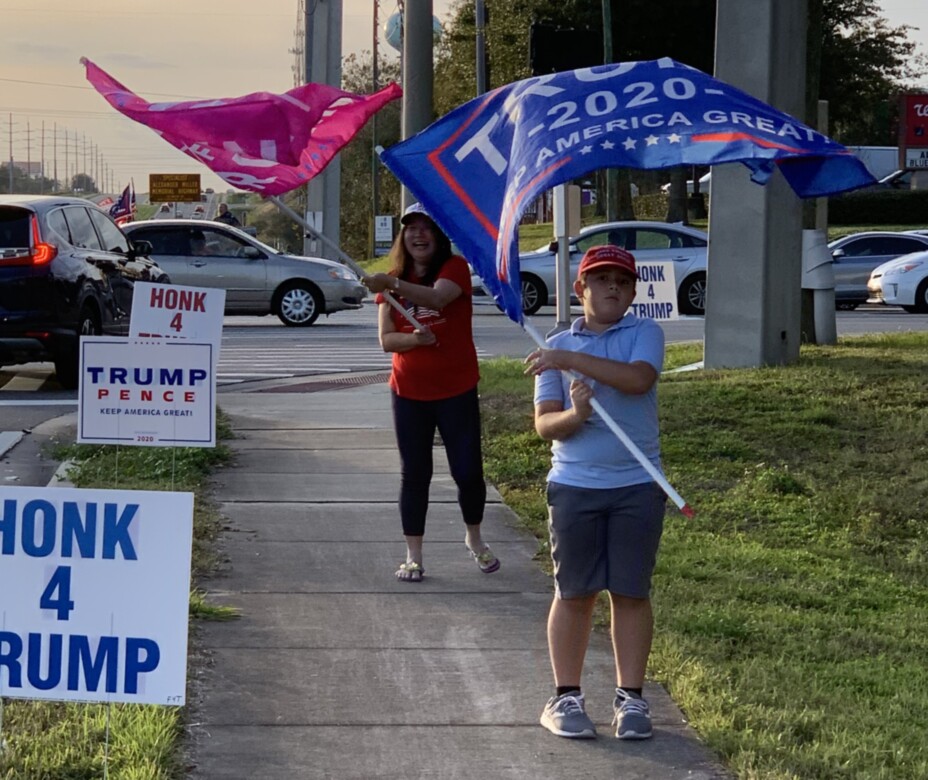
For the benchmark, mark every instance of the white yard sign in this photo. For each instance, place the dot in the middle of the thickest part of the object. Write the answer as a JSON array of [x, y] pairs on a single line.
[[156, 394], [656, 295], [94, 594], [170, 311]]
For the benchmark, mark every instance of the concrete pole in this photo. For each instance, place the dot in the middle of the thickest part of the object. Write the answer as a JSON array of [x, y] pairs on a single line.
[[323, 65], [753, 301], [418, 73]]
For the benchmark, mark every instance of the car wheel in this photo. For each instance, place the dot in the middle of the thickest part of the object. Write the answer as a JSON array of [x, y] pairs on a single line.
[[299, 304], [921, 299], [534, 294], [67, 361], [692, 296]]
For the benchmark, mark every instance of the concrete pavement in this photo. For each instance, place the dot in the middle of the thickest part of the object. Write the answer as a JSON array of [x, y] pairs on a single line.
[[335, 669]]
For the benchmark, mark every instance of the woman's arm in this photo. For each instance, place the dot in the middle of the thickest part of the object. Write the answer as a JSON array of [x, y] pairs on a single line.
[[392, 340], [437, 297]]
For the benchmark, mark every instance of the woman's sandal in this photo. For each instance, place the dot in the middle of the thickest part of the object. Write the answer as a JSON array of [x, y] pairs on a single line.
[[410, 572], [486, 561]]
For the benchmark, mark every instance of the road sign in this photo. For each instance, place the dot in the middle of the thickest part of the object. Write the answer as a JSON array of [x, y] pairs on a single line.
[[913, 132], [183, 187]]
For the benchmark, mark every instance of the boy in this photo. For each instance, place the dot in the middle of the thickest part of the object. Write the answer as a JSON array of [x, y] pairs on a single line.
[[605, 512]]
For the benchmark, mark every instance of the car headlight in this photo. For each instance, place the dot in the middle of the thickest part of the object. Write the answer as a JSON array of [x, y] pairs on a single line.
[[342, 273], [904, 269]]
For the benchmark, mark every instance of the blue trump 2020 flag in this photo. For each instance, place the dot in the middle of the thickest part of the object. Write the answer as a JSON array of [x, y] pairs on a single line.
[[477, 168]]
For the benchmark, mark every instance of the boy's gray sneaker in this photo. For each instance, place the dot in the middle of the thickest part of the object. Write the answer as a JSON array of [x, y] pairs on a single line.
[[565, 716], [632, 716]]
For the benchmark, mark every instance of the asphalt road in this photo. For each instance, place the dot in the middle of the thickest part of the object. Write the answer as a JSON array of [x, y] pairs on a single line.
[[258, 348]]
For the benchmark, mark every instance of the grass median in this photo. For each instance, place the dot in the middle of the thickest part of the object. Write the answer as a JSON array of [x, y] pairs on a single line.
[[42, 740], [791, 612]]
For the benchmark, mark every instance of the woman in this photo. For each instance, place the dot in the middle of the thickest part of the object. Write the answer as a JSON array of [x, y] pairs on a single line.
[[433, 382]]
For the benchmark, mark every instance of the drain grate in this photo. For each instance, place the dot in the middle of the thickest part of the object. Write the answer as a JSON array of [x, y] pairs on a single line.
[[338, 383]]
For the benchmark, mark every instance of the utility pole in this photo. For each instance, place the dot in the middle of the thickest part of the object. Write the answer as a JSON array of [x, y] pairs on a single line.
[[612, 175], [480, 14], [323, 65], [11, 154], [418, 81], [55, 183], [375, 171]]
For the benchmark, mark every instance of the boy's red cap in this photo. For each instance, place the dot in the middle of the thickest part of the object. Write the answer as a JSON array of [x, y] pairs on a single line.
[[607, 255]]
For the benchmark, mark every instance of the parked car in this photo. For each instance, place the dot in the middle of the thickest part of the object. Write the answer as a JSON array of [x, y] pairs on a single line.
[[855, 256], [66, 271], [902, 282], [647, 241], [257, 278]]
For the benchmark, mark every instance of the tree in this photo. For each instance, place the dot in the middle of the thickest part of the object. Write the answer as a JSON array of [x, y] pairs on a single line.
[[864, 62], [83, 182], [865, 65], [507, 43], [23, 184]]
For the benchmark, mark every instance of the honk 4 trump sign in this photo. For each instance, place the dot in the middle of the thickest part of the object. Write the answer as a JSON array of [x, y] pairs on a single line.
[[158, 394], [94, 594]]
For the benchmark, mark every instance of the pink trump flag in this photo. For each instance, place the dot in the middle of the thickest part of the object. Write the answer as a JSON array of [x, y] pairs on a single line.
[[262, 142]]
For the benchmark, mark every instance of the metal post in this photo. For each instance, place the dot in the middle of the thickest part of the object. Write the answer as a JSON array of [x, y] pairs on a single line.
[[480, 14]]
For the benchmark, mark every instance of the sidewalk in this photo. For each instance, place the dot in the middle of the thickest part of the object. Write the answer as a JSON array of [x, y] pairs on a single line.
[[336, 670]]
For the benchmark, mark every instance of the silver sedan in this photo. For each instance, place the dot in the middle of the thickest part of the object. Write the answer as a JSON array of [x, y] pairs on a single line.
[[256, 277]]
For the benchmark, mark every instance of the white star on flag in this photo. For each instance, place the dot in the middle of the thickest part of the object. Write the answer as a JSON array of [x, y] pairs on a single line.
[[652, 140], [608, 145], [673, 138], [629, 143]]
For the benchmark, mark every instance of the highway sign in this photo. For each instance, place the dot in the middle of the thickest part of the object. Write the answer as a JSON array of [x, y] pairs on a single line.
[[183, 187]]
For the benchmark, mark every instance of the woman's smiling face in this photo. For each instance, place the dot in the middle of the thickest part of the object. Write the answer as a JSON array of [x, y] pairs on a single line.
[[419, 238]]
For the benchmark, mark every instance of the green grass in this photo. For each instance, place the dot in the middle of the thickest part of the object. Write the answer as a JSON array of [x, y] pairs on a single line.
[[69, 741], [791, 611]]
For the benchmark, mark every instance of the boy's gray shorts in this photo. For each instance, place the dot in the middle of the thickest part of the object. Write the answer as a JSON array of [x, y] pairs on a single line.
[[605, 539]]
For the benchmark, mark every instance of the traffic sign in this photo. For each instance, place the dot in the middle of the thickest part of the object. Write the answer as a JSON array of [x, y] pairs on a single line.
[[183, 187]]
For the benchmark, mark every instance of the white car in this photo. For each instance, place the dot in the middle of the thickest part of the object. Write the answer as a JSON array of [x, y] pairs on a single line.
[[858, 254], [686, 247], [902, 282]]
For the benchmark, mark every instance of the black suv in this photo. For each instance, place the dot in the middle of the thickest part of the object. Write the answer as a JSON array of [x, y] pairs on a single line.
[[66, 270]]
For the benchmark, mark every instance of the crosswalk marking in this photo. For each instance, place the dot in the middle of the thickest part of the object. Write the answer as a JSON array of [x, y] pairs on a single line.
[[240, 363]]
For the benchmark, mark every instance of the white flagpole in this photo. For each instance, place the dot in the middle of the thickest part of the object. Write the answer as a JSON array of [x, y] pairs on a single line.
[[344, 256], [656, 475]]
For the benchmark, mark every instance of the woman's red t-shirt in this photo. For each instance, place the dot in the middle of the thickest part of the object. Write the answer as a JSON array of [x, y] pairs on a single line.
[[449, 367]]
